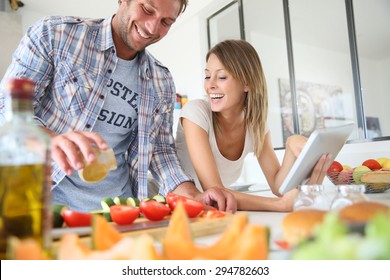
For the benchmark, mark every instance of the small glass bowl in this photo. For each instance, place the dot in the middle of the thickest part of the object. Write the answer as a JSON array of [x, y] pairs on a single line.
[[311, 197], [347, 195]]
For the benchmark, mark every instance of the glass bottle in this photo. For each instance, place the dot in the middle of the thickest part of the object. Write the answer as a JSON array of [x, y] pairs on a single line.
[[311, 197], [347, 195], [25, 201]]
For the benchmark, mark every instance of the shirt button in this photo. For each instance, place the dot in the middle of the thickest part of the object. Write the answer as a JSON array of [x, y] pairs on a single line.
[[74, 80], [101, 96], [88, 126], [109, 71]]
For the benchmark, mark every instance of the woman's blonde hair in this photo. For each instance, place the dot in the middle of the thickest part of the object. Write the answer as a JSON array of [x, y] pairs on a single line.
[[242, 61]]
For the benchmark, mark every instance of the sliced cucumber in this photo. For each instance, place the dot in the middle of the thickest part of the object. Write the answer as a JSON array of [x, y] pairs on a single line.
[[118, 200], [58, 219], [132, 201], [106, 203], [159, 198], [104, 213]]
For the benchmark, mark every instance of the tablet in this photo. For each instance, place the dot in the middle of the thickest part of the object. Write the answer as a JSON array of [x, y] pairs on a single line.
[[321, 141]]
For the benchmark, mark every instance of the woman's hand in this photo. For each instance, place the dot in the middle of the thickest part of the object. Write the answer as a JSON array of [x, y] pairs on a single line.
[[319, 171], [220, 198], [317, 177]]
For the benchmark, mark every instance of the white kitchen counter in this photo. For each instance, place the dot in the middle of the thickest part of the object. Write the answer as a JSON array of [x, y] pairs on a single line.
[[274, 219]]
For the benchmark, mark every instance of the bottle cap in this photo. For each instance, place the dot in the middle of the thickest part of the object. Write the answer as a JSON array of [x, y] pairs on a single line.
[[21, 88]]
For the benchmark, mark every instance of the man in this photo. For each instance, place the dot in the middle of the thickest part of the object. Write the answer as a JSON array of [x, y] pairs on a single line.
[[97, 85]]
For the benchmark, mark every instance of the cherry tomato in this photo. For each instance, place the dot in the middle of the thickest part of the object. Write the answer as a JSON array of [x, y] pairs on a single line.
[[154, 210], [77, 219], [124, 214]]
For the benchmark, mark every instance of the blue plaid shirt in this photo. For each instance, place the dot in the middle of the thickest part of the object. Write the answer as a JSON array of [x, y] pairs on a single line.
[[71, 60]]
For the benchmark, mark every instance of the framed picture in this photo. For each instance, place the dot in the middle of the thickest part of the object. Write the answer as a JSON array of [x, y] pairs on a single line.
[[318, 106], [373, 127]]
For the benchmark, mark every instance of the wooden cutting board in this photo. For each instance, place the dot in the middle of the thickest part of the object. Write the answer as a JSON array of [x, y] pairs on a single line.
[[199, 226]]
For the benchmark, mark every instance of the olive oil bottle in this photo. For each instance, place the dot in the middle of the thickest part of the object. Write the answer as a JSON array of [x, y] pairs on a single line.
[[25, 199]]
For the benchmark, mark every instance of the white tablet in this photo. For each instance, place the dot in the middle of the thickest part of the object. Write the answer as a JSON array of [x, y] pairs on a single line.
[[321, 141]]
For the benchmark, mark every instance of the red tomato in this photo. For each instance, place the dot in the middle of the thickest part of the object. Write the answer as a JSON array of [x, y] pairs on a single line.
[[212, 213], [77, 219], [282, 244], [193, 207], [154, 210], [335, 167], [172, 198], [372, 164], [124, 214]]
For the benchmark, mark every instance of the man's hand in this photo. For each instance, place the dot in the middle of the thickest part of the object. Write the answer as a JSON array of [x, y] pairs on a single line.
[[70, 149]]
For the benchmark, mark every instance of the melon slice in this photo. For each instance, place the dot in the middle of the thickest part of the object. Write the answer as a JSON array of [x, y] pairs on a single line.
[[104, 235]]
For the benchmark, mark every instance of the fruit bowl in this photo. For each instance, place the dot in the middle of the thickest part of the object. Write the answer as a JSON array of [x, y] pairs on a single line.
[[346, 178]]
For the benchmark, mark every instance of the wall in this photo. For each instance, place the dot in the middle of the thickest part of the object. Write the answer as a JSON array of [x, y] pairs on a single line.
[[11, 29], [184, 49]]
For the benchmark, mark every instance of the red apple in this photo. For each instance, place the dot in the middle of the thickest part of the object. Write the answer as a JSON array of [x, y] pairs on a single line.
[[372, 164], [345, 176], [335, 167]]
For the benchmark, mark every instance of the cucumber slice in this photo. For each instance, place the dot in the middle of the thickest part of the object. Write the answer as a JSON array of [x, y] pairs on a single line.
[[104, 213], [118, 200], [159, 198], [132, 201], [106, 203]]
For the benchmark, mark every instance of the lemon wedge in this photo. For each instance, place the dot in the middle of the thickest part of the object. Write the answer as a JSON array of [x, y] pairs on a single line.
[[93, 173], [99, 169]]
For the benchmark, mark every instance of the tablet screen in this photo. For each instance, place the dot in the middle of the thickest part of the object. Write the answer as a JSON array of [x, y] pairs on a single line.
[[321, 141]]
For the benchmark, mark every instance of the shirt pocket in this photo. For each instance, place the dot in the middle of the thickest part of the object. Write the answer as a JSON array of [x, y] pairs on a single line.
[[160, 113], [72, 89]]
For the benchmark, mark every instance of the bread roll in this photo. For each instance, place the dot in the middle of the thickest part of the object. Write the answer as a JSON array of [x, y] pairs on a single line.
[[299, 225], [363, 211]]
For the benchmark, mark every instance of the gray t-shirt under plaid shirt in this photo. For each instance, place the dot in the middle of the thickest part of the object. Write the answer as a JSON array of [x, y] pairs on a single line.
[[116, 120]]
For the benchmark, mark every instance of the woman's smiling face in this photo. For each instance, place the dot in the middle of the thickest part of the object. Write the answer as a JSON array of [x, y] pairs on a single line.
[[223, 90]]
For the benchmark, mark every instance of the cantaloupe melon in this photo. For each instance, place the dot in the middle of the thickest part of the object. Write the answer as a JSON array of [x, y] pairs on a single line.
[[24, 249], [104, 235], [177, 243]]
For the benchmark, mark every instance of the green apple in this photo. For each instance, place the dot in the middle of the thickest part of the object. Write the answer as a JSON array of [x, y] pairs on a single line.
[[358, 172]]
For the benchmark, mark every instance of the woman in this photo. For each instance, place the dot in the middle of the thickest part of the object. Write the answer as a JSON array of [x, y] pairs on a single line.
[[215, 135]]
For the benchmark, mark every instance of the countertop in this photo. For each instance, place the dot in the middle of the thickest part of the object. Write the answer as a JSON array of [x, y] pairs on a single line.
[[274, 219]]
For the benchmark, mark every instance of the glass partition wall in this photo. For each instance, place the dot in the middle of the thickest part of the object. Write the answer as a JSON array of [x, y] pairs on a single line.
[[326, 62]]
